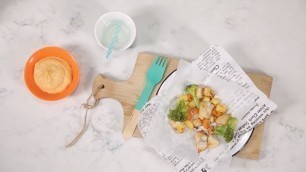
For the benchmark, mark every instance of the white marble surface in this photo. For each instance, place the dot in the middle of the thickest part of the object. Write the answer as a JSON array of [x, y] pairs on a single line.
[[262, 36]]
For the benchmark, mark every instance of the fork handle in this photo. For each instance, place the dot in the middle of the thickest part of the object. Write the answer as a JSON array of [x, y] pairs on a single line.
[[145, 95], [132, 122]]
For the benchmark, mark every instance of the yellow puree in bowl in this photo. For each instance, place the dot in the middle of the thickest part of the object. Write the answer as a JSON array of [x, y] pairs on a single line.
[[52, 74]]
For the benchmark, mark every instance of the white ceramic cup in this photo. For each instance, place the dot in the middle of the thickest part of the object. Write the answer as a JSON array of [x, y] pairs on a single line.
[[110, 16]]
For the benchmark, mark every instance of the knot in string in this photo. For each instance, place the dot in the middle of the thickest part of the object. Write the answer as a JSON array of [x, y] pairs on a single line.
[[86, 106]]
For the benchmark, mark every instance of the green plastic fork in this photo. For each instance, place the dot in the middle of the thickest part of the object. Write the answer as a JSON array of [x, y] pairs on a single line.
[[153, 77]]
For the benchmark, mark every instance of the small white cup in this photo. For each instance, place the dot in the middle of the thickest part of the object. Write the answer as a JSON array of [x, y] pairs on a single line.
[[115, 16]]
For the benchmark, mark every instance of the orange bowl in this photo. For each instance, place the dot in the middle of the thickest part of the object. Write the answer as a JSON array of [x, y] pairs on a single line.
[[45, 52]]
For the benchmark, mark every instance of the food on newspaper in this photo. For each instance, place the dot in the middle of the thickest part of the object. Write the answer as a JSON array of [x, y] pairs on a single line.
[[199, 110]]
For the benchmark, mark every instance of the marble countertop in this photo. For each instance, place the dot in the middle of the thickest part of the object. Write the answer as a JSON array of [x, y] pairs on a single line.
[[263, 36]]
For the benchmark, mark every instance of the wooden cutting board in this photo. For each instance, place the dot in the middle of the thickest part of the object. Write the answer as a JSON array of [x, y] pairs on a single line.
[[127, 92]]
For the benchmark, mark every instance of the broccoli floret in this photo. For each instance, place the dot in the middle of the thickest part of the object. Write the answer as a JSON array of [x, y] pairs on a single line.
[[227, 131], [179, 113], [191, 89]]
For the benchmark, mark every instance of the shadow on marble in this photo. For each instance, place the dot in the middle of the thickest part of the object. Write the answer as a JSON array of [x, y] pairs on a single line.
[[86, 67], [287, 101], [5, 4], [237, 51], [147, 26], [185, 38]]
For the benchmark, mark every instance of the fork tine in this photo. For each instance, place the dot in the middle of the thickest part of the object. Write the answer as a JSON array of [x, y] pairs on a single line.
[[155, 60], [162, 62], [165, 62], [159, 60]]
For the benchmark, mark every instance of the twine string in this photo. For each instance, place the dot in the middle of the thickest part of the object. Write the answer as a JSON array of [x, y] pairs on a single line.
[[87, 106]]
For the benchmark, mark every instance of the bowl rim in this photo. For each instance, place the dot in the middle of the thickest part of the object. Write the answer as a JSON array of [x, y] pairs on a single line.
[[40, 54]]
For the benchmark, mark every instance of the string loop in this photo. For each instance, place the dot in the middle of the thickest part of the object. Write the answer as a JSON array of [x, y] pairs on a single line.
[[85, 124]]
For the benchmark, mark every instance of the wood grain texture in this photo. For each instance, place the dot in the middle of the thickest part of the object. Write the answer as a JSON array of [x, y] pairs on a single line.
[[127, 92], [252, 149]]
